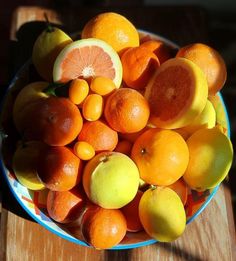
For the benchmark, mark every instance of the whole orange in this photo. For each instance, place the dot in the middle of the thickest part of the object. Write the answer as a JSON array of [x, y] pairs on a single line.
[[59, 169], [126, 110], [55, 121], [112, 28], [210, 61], [139, 64], [161, 156], [99, 135], [103, 228]]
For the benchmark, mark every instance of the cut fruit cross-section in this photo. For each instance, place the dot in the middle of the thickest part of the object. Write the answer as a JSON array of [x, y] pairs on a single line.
[[86, 59], [176, 94]]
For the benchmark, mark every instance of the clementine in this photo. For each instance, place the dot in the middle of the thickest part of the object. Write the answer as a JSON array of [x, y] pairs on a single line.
[[99, 135], [103, 228], [55, 121], [59, 169], [126, 110], [210, 62]]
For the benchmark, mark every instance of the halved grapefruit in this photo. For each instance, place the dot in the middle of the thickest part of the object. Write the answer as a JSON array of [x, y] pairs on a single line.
[[177, 93], [85, 59]]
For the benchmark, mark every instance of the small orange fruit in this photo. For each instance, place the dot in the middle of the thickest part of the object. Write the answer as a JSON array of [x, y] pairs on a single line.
[[59, 169], [139, 64], [126, 110], [161, 156], [210, 61], [103, 228], [78, 91], [102, 85], [99, 135], [66, 206], [84, 150], [131, 213], [112, 28], [92, 107], [159, 48]]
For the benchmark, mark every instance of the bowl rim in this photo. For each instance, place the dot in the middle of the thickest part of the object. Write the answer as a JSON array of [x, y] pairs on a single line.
[[121, 246]]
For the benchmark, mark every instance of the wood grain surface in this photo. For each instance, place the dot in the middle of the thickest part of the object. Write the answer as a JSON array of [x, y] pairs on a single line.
[[211, 236]]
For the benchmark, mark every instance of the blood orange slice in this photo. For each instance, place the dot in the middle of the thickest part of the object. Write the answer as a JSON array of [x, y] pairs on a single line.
[[85, 59], [177, 93]]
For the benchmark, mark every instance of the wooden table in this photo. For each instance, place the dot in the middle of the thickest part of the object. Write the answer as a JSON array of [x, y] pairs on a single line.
[[210, 237]]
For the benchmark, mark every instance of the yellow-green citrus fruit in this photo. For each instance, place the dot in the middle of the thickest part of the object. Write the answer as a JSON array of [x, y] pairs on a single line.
[[46, 49], [210, 158], [162, 214], [30, 93], [25, 161], [111, 180]]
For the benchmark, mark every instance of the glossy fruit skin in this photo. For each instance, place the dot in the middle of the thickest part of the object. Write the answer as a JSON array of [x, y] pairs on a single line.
[[45, 50], [66, 206], [114, 29], [25, 160], [210, 158], [162, 214], [28, 94], [78, 91], [99, 135], [117, 174], [161, 156], [103, 228], [92, 107], [210, 62], [126, 110], [59, 169], [55, 121]]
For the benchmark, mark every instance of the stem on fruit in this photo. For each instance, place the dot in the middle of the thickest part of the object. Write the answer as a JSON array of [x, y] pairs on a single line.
[[50, 28]]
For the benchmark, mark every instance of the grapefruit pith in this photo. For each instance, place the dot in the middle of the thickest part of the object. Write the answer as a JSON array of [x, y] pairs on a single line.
[[176, 94], [86, 59]]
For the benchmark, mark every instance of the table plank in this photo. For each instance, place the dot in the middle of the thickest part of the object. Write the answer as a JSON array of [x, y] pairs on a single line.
[[210, 237]]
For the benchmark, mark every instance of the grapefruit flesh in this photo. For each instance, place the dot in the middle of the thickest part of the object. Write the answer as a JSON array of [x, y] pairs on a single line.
[[176, 94], [86, 59]]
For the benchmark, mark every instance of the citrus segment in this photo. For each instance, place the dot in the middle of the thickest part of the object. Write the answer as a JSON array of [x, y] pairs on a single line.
[[176, 94], [87, 58]]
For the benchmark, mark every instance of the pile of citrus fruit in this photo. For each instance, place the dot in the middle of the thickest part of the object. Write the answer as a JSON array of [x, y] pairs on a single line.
[[118, 129]]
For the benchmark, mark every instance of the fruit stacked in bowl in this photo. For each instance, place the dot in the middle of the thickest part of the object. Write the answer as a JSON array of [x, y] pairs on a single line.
[[122, 139]]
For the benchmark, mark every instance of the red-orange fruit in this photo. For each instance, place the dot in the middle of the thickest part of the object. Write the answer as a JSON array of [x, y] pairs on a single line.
[[66, 206], [59, 169]]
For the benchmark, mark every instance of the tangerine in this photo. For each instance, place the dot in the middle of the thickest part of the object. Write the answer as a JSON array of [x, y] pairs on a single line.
[[126, 110], [59, 169], [99, 135], [210, 62]]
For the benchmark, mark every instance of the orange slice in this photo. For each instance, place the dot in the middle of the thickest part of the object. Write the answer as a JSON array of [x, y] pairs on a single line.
[[86, 59], [177, 93]]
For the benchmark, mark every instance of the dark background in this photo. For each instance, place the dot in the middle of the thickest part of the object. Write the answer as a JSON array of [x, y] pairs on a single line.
[[220, 32]]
